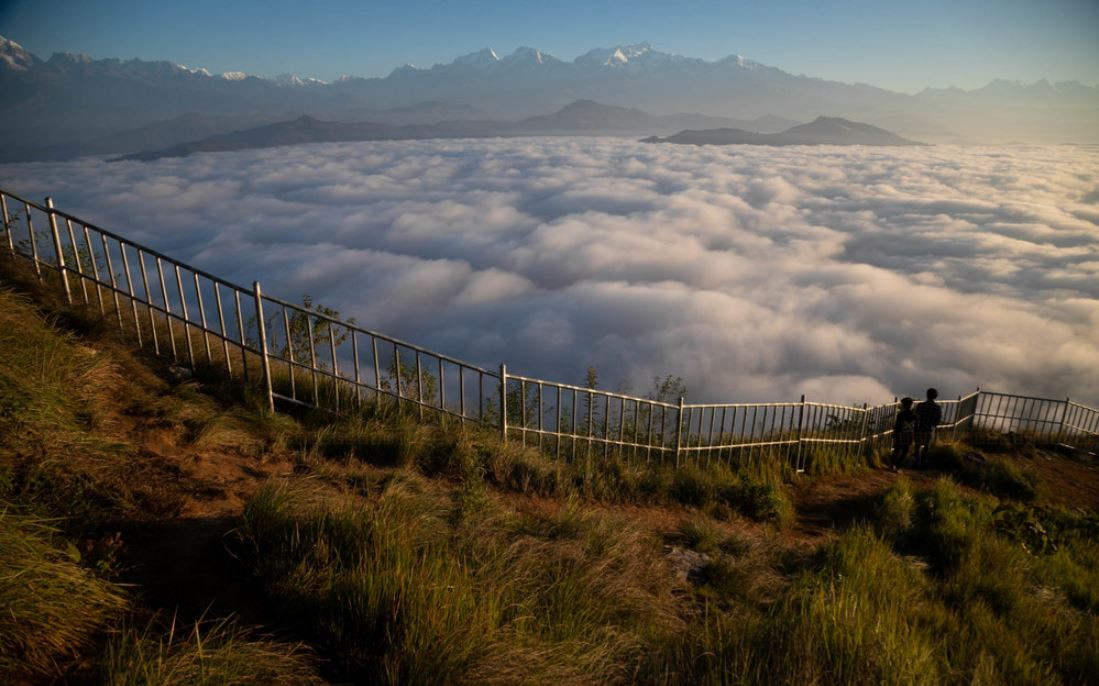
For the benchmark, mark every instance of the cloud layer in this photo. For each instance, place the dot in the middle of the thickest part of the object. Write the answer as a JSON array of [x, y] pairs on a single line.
[[754, 273]]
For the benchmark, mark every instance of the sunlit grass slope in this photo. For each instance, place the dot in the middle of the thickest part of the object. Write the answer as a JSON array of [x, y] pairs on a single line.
[[383, 551]]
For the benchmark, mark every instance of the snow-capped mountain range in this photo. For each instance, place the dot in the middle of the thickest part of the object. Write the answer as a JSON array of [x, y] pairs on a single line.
[[71, 99]]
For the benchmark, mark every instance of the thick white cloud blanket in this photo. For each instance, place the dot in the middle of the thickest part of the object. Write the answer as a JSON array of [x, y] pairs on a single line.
[[755, 273]]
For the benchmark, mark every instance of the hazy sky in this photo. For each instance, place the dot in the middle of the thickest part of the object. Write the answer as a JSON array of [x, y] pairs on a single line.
[[898, 45]]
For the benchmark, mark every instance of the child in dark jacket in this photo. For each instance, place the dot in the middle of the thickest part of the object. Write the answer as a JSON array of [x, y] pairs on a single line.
[[904, 433]]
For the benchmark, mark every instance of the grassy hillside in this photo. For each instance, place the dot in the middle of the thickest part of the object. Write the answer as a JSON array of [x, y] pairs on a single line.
[[159, 528]]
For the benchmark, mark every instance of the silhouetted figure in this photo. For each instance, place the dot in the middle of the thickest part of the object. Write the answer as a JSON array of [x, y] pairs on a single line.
[[904, 432], [928, 416]]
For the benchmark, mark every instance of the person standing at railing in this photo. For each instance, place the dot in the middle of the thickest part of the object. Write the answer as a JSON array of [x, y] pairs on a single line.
[[928, 416], [904, 433]]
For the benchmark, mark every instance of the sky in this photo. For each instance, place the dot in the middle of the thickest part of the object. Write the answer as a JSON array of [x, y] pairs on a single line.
[[903, 46], [754, 273]]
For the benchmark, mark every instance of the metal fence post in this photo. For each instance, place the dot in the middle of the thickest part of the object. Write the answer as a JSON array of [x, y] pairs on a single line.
[[503, 402], [8, 222], [678, 432], [973, 415], [957, 418], [58, 252], [864, 438], [801, 418], [262, 326], [1064, 416], [33, 241]]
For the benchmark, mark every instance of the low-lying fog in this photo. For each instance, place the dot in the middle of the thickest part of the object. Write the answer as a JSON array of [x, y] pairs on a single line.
[[755, 273]]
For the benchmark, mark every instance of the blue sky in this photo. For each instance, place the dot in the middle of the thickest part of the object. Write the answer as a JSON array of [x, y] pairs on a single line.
[[903, 46]]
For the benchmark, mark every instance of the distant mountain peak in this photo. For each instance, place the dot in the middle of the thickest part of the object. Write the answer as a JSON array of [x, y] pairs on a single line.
[[233, 75], [740, 61], [624, 53], [293, 80], [481, 58], [15, 57], [617, 56], [524, 54], [62, 58], [588, 105], [201, 71]]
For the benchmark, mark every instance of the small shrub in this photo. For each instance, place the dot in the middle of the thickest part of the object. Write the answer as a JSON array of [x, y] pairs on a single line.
[[522, 469], [451, 454], [691, 486], [766, 502], [699, 534]]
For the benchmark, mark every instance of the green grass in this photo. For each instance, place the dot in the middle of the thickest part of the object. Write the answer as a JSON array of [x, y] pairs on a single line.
[[206, 654], [60, 453], [51, 607], [699, 534], [415, 586], [1007, 476], [756, 492], [400, 553]]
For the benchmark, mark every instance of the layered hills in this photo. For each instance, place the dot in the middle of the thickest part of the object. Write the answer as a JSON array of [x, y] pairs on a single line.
[[820, 131], [73, 104], [581, 117]]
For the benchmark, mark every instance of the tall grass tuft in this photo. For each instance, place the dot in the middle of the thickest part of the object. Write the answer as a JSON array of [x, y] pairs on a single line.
[[852, 620], [51, 608], [210, 653], [58, 453], [898, 510], [419, 587]]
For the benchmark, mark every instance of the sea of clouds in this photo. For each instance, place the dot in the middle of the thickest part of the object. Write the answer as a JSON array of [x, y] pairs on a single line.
[[755, 273]]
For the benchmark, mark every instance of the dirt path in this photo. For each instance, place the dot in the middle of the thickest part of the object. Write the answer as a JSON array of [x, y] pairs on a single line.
[[1068, 482], [825, 505]]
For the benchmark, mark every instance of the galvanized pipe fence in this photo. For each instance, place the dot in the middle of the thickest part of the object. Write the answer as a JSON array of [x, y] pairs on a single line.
[[302, 355]]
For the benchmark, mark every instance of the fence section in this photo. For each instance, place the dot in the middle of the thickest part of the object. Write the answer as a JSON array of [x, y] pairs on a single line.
[[320, 361], [303, 355]]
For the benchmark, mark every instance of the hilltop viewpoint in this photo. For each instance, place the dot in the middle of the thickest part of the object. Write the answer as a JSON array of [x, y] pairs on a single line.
[[162, 526]]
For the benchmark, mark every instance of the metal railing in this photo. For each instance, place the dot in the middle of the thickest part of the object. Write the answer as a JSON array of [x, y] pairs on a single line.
[[304, 355]]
